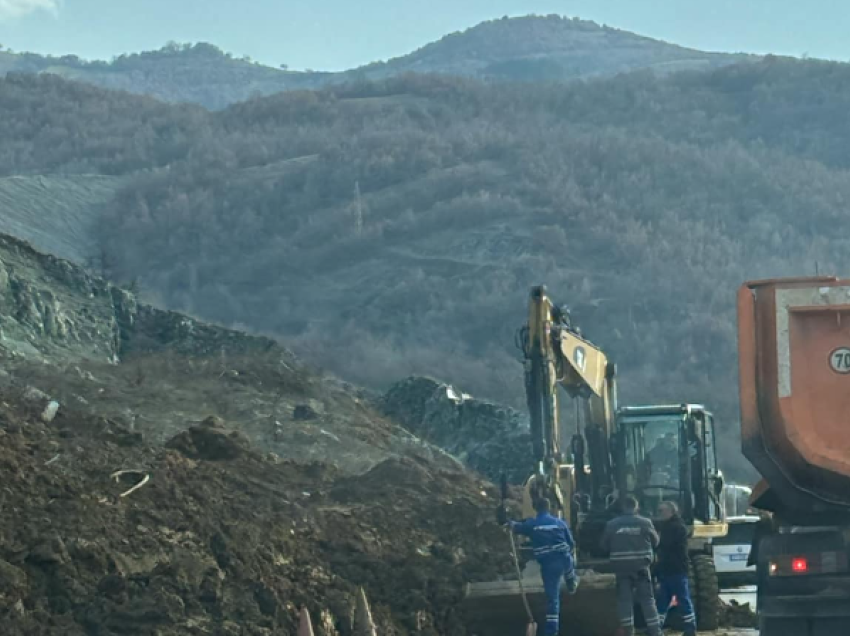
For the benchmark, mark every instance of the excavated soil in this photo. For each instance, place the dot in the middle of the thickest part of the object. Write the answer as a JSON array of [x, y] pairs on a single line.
[[223, 539]]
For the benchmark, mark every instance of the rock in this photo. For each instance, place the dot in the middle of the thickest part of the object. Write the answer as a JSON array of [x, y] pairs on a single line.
[[229, 628], [42, 403], [303, 412], [50, 411], [13, 580], [85, 375], [266, 600], [35, 396], [52, 552], [112, 585], [210, 440]]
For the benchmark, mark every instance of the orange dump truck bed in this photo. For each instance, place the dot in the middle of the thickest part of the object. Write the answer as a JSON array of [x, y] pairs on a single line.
[[794, 378]]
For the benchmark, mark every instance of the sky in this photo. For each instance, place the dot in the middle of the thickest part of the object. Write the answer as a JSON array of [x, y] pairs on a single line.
[[340, 34]]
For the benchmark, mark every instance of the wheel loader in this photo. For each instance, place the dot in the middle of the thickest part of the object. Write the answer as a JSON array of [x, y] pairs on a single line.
[[655, 453]]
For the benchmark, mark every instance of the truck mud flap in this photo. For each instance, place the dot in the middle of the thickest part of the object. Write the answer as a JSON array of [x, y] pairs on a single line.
[[795, 606]]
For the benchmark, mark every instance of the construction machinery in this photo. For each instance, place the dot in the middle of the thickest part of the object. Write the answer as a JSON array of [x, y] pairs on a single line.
[[794, 381], [655, 453]]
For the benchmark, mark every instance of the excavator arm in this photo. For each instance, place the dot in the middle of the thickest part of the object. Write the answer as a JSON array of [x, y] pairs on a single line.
[[556, 355]]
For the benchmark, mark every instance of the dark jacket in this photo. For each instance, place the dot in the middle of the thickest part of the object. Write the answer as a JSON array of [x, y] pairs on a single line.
[[672, 548], [629, 540], [550, 536]]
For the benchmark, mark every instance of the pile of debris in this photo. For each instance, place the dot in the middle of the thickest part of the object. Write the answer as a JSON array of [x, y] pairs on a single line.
[[101, 533], [487, 437]]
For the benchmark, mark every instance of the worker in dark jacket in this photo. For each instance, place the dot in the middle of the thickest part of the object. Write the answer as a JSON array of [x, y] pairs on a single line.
[[630, 540], [672, 567], [553, 547]]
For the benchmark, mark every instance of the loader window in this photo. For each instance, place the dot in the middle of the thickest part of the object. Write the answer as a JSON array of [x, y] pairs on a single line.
[[663, 455]]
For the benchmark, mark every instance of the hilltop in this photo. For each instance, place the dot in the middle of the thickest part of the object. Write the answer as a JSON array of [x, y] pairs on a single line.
[[526, 48], [547, 48]]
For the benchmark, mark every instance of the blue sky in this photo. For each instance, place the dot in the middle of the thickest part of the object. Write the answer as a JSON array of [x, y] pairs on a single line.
[[338, 34]]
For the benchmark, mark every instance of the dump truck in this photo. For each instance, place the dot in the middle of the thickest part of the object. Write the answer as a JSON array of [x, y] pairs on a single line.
[[654, 452], [794, 382]]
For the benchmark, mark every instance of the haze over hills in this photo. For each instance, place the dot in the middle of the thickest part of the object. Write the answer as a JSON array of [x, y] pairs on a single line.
[[529, 48], [395, 227]]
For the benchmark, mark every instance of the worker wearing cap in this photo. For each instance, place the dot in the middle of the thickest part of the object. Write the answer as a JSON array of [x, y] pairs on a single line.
[[630, 541], [553, 547], [672, 567]]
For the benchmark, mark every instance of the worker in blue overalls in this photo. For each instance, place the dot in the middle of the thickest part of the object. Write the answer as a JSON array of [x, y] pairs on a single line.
[[553, 547]]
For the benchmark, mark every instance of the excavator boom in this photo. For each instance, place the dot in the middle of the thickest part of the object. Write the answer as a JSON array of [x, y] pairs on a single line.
[[607, 456], [557, 356]]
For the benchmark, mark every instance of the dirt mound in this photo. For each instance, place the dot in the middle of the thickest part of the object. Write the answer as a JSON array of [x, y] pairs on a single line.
[[415, 535], [226, 547], [735, 614]]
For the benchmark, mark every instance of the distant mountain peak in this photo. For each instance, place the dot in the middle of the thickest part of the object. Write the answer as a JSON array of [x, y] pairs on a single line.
[[549, 47]]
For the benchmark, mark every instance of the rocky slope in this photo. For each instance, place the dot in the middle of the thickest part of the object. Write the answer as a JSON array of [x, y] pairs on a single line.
[[87, 343], [263, 487]]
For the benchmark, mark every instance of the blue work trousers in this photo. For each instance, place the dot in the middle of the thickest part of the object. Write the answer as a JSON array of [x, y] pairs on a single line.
[[671, 585], [553, 568]]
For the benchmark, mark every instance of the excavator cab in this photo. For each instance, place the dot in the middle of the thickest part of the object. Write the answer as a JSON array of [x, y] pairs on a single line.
[[668, 453]]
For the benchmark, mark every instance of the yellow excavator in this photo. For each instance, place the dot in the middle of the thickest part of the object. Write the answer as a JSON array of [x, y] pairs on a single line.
[[656, 453]]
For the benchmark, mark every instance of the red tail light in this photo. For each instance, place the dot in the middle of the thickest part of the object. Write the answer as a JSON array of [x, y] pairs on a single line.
[[814, 563]]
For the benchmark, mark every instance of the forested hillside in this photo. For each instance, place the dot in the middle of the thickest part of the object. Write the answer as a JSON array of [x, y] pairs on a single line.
[[395, 227], [198, 73], [526, 48]]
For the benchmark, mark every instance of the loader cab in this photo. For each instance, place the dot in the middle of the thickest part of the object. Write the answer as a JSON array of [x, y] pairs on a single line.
[[668, 453]]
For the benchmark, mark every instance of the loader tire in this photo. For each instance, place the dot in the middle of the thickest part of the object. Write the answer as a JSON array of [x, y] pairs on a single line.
[[705, 592]]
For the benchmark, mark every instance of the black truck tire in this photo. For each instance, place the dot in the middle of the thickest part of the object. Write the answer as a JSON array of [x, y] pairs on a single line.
[[705, 592]]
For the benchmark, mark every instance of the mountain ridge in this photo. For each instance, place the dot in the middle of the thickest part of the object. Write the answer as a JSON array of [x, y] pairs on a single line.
[[533, 47]]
